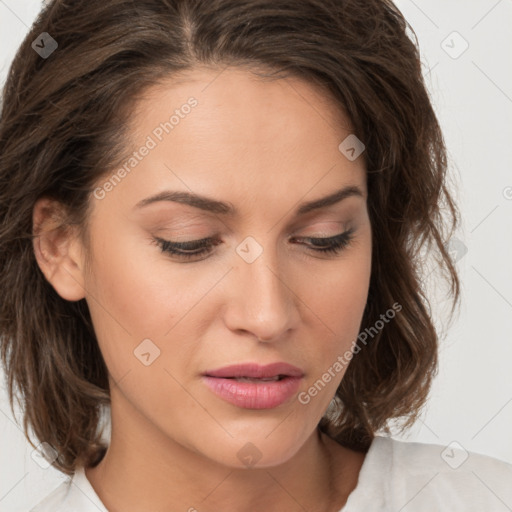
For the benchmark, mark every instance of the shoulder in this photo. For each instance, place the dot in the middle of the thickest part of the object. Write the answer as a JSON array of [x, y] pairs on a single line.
[[55, 500], [75, 494], [422, 475]]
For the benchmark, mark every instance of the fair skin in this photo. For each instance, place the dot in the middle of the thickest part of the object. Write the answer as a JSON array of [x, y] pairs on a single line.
[[265, 147]]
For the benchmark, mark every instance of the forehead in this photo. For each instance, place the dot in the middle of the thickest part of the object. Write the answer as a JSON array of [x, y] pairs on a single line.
[[260, 140], [237, 101]]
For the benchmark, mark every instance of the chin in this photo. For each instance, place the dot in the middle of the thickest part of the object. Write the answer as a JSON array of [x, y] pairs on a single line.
[[255, 452]]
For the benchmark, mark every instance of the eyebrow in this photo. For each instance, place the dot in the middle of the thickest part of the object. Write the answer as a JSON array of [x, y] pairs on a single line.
[[225, 208]]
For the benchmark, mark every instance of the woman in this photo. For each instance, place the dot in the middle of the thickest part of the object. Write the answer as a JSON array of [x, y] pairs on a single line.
[[212, 222]]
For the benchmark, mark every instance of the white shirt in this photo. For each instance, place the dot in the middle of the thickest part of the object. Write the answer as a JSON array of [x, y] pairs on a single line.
[[396, 476]]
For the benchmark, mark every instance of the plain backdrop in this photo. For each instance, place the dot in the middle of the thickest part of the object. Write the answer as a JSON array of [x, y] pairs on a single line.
[[466, 54]]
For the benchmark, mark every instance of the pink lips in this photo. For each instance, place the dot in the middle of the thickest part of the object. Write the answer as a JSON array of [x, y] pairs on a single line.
[[255, 393]]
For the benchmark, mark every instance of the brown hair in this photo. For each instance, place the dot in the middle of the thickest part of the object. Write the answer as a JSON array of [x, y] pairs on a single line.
[[62, 128]]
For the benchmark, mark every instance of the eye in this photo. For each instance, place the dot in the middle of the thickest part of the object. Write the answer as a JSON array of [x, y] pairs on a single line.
[[331, 245], [187, 250], [193, 249]]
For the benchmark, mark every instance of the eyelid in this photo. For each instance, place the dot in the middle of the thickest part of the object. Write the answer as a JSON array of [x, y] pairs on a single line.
[[181, 229], [210, 239], [332, 245], [173, 236]]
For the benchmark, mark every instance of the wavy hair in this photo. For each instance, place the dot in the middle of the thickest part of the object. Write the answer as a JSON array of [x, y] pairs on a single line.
[[63, 126]]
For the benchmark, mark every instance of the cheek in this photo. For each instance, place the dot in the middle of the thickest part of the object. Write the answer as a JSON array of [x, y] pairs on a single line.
[[128, 301], [137, 295], [337, 304], [337, 299], [340, 294], [129, 293]]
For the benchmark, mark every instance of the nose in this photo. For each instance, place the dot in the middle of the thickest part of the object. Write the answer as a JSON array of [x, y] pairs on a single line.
[[261, 299]]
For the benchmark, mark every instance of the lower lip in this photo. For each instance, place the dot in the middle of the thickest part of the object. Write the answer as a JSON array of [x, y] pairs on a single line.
[[254, 395]]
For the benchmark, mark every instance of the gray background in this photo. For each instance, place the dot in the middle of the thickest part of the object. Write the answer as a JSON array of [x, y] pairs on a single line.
[[471, 401]]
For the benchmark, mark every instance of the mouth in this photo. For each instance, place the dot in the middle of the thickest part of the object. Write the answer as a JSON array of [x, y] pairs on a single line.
[[274, 371], [255, 379], [251, 386]]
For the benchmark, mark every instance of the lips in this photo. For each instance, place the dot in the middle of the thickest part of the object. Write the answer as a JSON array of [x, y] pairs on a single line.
[[251, 386], [256, 371]]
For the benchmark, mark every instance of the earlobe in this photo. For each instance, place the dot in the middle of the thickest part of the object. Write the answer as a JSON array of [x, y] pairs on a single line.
[[57, 251]]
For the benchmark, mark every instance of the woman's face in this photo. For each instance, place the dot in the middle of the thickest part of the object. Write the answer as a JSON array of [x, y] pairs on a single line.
[[259, 294]]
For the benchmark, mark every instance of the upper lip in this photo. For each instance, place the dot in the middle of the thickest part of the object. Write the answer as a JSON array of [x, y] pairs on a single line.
[[255, 370]]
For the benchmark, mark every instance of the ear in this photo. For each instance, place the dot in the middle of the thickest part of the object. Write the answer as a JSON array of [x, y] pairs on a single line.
[[57, 250]]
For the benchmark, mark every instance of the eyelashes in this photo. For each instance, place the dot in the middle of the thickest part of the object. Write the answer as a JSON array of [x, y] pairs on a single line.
[[187, 250], [331, 245]]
